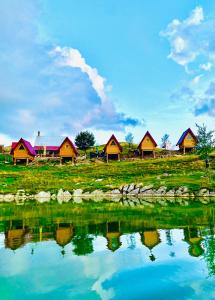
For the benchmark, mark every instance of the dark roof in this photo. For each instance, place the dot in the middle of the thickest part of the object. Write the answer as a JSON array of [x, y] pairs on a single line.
[[147, 134], [71, 143], [27, 145], [115, 139], [184, 134]]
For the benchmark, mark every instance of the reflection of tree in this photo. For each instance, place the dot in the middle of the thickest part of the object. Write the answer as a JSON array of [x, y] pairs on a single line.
[[83, 244], [131, 242], [169, 238], [209, 254]]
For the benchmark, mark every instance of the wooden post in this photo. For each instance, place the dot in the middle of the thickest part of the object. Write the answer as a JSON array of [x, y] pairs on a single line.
[[27, 161], [184, 150], [60, 160], [154, 154], [107, 157], [14, 161], [118, 157], [142, 154], [73, 160]]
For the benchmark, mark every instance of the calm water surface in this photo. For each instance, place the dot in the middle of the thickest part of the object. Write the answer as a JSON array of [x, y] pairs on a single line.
[[67, 252]]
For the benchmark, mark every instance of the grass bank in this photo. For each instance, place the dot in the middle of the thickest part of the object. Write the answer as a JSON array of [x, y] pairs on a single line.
[[172, 172]]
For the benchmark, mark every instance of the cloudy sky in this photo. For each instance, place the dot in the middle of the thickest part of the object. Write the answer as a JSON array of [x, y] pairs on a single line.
[[106, 66]]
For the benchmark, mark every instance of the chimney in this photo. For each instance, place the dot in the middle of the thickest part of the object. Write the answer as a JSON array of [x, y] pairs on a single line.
[[38, 133]]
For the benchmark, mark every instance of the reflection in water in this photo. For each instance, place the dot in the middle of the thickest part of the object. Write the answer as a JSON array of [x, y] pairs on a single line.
[[107, 254]]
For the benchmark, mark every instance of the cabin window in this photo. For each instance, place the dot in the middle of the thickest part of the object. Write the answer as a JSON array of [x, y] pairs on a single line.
[[189, 137], [21, 147], [67, 146], [147, 139], [113, 143]]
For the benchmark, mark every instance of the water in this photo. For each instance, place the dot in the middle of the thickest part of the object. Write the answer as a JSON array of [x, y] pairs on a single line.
[[97, 251]]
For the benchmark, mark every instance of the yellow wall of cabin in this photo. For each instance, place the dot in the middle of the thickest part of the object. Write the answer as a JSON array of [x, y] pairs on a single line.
[[189, 141], [151, 238], [21, 154], [66, 150], [112, 149], [147, 144]]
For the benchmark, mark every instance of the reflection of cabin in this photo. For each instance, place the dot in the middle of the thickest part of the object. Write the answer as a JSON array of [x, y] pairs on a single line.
[[150, 238], [15, 235], [113, 236], [22, 151], [192, 237], [187, 141], [147, 145], [113, 148], [64, 234], [67, 150]]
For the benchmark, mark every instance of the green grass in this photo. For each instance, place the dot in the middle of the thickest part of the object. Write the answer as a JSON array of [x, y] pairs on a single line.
[[182, 170]]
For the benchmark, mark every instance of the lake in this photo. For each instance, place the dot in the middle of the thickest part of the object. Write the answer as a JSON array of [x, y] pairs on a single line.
[[102, 251]]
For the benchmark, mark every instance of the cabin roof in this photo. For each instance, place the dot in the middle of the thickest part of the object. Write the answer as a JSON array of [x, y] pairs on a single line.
[[71, 143], [152, 139], [180, 141], [48, 141], [115, 139], [27, 145]]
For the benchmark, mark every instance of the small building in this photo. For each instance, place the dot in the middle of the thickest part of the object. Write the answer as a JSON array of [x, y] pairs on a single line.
[[147, 145], [67, 150], [187, 141], [48, 146], [113, 149], [22, 151]]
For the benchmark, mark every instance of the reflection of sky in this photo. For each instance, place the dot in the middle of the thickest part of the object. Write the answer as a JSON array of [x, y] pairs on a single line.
[[128, 273]]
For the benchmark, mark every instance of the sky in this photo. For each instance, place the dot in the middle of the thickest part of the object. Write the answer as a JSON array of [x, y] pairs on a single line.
[[106, 66]]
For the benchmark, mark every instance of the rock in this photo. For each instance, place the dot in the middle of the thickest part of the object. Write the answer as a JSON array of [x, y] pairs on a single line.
[[161, 190], [170, 193], [130, 187], [204, 193], [63, 196], [145, 188], [134, 192], [125, 189], [114, 192], [99, 179], [9, 198], [77, 193], [212, 194], [42, 197], [53, 197], [166, 174], [139, 185], [181, 190], [148, 192]]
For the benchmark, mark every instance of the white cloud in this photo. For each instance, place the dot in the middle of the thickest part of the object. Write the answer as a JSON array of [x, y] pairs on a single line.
[[196, 79], [5, 139], [191, 38], [72, 57], [206, 67]]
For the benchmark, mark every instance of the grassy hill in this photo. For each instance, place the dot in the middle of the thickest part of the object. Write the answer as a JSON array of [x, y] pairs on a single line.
[[172, 172]]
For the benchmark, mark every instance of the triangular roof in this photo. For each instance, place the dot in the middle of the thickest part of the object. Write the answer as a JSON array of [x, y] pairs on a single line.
[[116, 141], [71, 143], [184, 134], [152, 139], [27, 145]]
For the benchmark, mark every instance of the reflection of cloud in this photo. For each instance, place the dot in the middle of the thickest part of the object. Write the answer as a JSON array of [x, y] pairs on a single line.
[[13, 263]]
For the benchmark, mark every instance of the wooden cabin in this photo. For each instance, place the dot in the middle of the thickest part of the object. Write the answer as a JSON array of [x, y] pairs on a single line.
[[147, 145], [150, 238], [187, 141], [113, 149], [22, 151], [113, 236], [67, 150]]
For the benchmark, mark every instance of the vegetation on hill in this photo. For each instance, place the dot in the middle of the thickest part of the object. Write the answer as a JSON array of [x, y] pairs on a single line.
[[172, 172]]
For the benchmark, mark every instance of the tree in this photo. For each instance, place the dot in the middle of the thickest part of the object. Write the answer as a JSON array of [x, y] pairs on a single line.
[[165, 141], [129, 138], [84, 140], [205, 141]]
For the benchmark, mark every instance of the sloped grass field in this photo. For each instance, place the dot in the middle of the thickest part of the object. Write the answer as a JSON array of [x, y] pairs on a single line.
[[171, 172]]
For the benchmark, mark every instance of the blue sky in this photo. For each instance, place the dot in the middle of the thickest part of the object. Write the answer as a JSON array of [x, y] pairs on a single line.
[[107, 66]]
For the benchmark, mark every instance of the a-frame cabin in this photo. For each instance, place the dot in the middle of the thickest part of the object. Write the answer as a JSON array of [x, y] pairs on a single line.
[[187, 141], [22, 151], [147, 145], [67, 150], [113, 148]]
